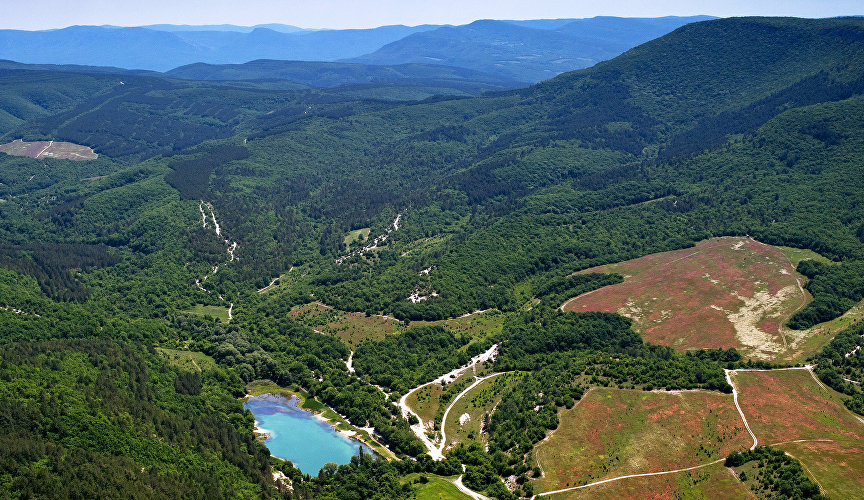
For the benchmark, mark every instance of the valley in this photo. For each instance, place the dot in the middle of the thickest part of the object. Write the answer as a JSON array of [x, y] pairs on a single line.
[[641, 278]]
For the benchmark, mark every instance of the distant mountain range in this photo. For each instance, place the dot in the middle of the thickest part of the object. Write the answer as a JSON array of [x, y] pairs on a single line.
[[295, 75], [529, 50], [330, 74], [160, 50], [523, 51], [282, 28]]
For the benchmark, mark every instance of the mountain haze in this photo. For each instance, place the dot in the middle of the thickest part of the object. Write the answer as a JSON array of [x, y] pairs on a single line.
[[526, 50], [152, 49]]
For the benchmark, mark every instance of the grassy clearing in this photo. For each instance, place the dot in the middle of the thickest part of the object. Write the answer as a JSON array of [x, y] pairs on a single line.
[[438, 487], [615, 432], [218, 312], [837, 467], [355, 327], [360, 235], [426, 244], [351, 327], [309, 403], [788, 405], [426, 401], [714, 481], [188, 360], [822, 333], [478, 404], [723, 293], [785, 405], [478, 326], [796, 255]]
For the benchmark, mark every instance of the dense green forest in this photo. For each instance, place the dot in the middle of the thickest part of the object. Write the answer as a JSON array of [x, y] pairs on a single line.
[[205, 192]]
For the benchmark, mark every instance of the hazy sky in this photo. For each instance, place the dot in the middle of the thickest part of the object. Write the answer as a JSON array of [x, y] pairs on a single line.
[[44, 14]]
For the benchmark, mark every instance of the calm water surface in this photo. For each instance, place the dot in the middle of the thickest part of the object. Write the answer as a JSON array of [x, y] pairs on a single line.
[[299, 436]]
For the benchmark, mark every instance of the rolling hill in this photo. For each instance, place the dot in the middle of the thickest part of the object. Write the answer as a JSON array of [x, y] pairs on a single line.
[[330, 74]]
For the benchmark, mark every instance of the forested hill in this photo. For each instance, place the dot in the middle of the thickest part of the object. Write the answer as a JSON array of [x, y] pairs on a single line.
[[205, 193], [330, 74]]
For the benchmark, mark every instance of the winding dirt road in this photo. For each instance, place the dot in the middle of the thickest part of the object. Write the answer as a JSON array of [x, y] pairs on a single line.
[[419, 428], [729, 375], [453, 403]]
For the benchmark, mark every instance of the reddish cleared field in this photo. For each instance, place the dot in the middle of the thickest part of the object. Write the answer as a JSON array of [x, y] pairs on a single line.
[[49, 149], [722, 293], [785, 405], [788, 405], [714, 481], [616, 432]]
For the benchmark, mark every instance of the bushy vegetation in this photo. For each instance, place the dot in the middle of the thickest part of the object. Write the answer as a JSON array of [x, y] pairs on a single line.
[[775, 474], [835, 289], [841, 365], [402, 362]]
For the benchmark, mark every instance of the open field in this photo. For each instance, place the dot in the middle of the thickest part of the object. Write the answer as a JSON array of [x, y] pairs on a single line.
[[837, 466], [187, 360], [477, 325], [218, 312], [48, 149], [466, 418], [351, 327], [789, 405], [616, 432], [355, 327], [714, 481], [796, 255], [723, 293], [425, 401], [438, 487], [360, 235]]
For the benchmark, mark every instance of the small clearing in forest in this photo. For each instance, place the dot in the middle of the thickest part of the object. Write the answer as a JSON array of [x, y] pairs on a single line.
[[49, 149]]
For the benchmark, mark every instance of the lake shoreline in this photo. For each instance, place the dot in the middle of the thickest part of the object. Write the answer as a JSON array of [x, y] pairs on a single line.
[[285, 428], [261, 387]]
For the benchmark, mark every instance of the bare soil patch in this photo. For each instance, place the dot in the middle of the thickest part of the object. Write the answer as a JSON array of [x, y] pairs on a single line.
[[49, 149]]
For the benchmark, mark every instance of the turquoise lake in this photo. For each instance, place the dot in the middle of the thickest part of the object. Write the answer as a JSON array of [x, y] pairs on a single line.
[[299, 436]]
